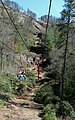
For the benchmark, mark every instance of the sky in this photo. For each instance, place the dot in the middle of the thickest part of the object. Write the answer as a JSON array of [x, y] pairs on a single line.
[[40, 7]]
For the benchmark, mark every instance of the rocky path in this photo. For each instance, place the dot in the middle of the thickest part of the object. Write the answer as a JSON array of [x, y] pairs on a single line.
[[17, 113], [21, 109]]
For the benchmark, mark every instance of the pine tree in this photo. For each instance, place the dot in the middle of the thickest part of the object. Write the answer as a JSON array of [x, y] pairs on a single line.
[[65, 26]]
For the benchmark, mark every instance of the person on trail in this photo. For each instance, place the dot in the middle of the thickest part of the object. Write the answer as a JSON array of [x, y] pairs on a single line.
[[19, 75], [24, 77], [24, 74]]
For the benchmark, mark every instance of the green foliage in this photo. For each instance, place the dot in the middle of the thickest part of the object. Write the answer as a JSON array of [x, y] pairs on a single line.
[[5, 85], [20, 88], [20, 43], [69, 86], [48, 108], [49, 112], [30, 40], [67, 109], [47, 44], [41, 96], [31, 79], [50, 41], [50, 116], [69, 91], [4, 96], [53, 73], [1, 103], [8, 85], [66, 14], [56, 36]]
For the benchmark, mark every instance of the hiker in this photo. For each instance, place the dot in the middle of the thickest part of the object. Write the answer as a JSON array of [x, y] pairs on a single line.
[[24, 77], [23, 74], [19, 75]]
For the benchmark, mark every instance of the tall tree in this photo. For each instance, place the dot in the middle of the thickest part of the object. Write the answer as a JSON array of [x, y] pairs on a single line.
[[65, 23]]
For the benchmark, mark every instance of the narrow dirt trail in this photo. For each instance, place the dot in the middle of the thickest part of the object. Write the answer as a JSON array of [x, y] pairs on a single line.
[[18, 113], [21, 109]]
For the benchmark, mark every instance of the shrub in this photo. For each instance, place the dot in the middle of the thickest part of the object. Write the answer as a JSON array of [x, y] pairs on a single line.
[[20, 88], [31, 79], [49, 112], [67, 110], [50, 116], [5, 97], [42, 95], [1, 103]]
